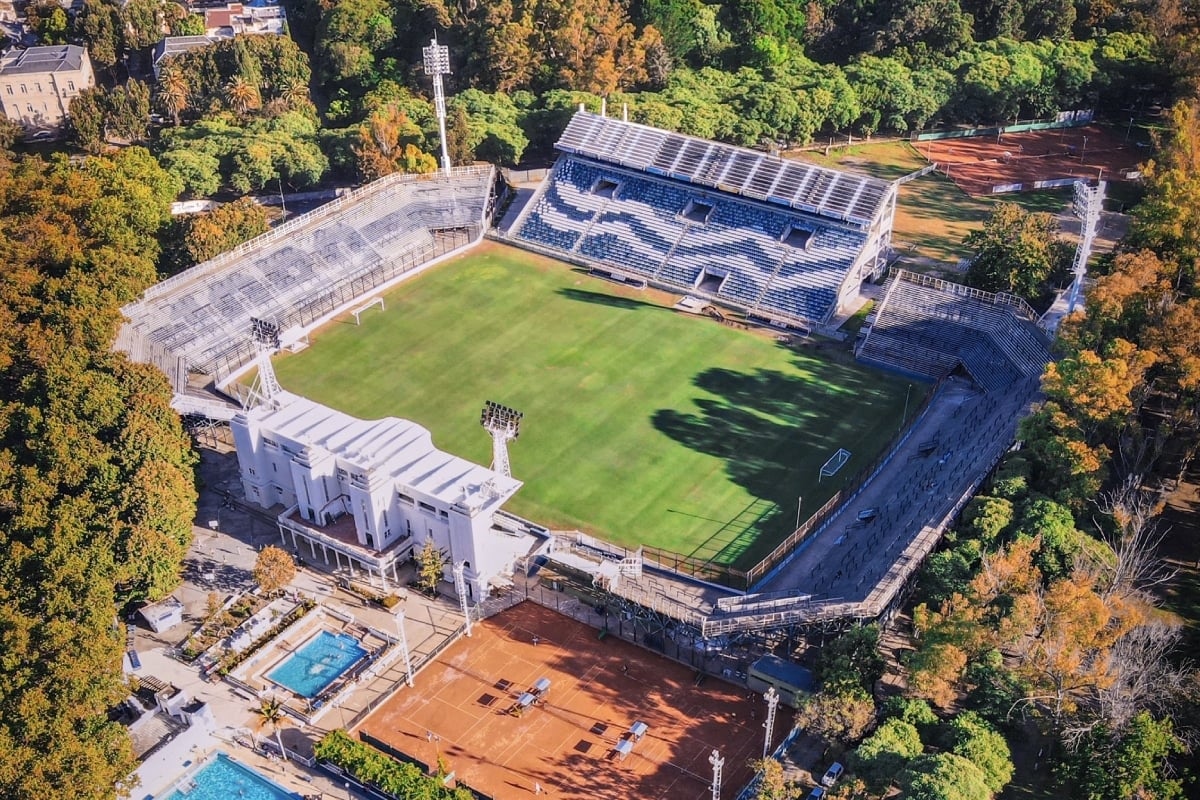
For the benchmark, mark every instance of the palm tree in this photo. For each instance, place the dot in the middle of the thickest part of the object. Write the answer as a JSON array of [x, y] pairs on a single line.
[[271, 714], [294, 91], [173, 92], [242, 95]]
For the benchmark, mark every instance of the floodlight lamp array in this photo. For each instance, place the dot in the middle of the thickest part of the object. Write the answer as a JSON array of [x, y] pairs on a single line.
[[265, 332], [500, 417], [437, 59]]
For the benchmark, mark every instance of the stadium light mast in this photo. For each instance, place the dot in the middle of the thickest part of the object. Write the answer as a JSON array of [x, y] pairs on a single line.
[[772, 698], [717, 764], [460, 586], [408, 676], [266, 341], [437, 64], [1089, 203], [504, 424]]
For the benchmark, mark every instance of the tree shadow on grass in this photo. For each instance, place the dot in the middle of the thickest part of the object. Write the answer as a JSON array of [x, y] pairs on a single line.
[[600, 298], [769, 428]]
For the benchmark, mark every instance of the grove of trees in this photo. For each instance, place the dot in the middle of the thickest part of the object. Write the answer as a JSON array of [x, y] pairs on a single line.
[[751, 72], [97, 493], [1048, 598]]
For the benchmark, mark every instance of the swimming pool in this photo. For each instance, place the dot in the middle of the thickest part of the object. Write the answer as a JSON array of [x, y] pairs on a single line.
[[222, 778], [319, 663]]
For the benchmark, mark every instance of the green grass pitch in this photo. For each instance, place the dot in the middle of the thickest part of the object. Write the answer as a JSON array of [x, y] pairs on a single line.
[[642, 425]]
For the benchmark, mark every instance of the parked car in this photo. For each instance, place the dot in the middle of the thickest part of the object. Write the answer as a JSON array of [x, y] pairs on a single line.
[[816, 794], [832, 774]]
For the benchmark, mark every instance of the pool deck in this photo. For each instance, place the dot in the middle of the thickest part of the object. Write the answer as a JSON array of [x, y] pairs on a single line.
[[221, 559]]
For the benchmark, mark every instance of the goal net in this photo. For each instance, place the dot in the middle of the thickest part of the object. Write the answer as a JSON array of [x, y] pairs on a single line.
[[835, 463]]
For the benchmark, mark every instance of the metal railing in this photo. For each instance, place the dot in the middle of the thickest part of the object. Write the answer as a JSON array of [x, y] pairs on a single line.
[[993, 298], [288, 228]]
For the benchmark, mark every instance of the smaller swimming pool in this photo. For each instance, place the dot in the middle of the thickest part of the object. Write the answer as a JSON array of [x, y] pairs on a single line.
[[319, 663], [222, 778]]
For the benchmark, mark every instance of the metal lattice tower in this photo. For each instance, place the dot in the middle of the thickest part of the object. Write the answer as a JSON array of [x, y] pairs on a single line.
[[717, 764], [1089, 202], [772, 698], [404, 647], [437, 64], [504, 424], [460, 586], [266, 341]]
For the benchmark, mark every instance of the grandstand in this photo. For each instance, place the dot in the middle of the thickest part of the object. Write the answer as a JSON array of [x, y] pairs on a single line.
[[301, 274], [928, 328], [776, 239]]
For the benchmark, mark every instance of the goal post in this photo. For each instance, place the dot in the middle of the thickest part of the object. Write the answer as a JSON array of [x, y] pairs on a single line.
[[835, 463], [375, 301]]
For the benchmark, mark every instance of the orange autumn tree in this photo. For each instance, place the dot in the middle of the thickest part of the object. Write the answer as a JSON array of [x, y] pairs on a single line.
[[1097, 388], [387, 143]]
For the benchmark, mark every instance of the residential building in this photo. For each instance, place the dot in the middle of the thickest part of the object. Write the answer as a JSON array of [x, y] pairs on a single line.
[[38, 84], [255, 17]]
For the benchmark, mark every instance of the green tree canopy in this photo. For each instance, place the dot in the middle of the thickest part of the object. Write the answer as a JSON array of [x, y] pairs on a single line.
[[96, 486], [883, 754], [1016, 251], [1127, 763], [970, 736], [851, 660], [944, 776]]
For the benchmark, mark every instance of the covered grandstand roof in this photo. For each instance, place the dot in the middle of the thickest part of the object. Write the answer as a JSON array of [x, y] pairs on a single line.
[[829, 193]]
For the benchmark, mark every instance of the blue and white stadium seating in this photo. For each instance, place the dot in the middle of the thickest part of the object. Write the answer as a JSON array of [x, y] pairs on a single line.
[[610, 203]]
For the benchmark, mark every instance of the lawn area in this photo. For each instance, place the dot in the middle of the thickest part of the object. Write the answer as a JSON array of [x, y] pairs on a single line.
[[933, 216], [642, 425]]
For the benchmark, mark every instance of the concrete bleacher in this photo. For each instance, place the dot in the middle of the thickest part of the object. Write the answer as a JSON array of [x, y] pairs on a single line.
[[301, 271], [641, 227], [928, 328]]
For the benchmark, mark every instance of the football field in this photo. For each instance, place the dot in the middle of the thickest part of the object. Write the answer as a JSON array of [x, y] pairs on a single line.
[[642, 425]]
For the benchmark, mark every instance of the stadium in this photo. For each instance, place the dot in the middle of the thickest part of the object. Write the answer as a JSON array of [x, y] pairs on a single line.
[[765, 440]]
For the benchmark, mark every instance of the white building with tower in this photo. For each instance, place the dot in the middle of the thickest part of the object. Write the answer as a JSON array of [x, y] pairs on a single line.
[[362, 494]]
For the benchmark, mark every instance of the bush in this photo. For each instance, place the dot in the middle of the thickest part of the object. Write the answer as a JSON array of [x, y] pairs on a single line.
[[369, 765]]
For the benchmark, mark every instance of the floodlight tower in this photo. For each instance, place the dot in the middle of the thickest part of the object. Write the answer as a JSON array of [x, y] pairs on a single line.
[[266, 341], [437, 64], [408, 676], [460, 586], [717, 764], [772, 698], [1089, 202], [504, 424]]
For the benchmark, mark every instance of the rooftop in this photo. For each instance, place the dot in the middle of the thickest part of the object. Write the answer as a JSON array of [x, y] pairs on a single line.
[[829, 193], [392, 447], [52, 58]]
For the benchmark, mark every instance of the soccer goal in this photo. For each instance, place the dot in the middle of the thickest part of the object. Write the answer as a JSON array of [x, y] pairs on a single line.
[[835, 463], [376, 301]]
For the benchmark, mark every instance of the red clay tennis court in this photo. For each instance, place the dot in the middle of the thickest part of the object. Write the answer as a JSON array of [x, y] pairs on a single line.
[[461, 705], [979, 163]]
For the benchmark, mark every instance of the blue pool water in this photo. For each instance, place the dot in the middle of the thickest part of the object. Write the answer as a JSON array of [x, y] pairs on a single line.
[[316, 665], [224, 779]]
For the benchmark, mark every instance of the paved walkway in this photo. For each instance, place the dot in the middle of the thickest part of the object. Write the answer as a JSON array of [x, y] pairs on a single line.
[[221, 560]]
